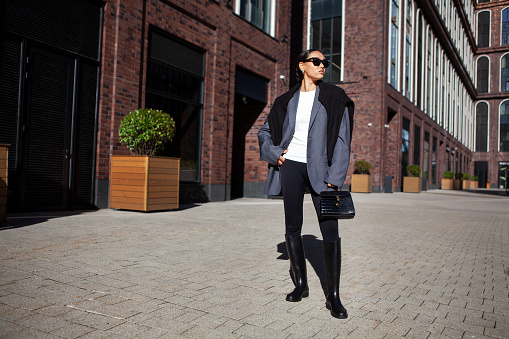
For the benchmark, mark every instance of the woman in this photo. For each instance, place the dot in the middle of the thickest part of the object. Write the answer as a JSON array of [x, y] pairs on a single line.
[[306, 141]]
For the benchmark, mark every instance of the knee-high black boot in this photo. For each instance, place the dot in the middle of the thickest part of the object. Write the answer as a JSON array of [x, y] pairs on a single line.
[[332, 257], [295, 250]]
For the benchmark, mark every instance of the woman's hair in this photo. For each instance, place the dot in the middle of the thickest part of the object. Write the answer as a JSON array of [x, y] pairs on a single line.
[[303, 56]]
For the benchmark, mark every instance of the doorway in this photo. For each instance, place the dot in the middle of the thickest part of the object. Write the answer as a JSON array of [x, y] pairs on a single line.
[[481, 171], [250, 100]]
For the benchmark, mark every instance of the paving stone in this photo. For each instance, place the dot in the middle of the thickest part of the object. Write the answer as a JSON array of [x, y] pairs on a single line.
[[425, 265]]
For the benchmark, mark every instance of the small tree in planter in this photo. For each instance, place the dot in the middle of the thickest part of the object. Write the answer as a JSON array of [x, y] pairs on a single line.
[[145, 131], [447, 183], [412, 183], [465, 184], [457, 180], [474, 182], [144, 182], [362, 181]]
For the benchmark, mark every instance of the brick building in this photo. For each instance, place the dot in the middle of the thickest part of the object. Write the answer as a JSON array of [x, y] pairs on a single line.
[[70, 70]]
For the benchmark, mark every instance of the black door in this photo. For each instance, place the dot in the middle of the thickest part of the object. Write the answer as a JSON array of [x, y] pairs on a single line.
[[481, 171], [45, 131]]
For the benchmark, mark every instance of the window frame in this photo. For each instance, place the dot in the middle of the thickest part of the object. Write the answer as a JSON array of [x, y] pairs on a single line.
[[476, 73], [272, 20], [502, 26], [477, 29], [500, 72], [500, 124]]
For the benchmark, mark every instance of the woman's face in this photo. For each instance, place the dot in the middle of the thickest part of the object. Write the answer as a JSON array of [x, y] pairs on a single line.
[[311, 71]]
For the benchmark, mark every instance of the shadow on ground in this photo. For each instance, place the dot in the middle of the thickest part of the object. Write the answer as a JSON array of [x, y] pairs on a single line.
[[313, 247]]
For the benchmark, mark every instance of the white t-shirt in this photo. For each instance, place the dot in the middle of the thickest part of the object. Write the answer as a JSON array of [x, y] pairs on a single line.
[[297, 150]]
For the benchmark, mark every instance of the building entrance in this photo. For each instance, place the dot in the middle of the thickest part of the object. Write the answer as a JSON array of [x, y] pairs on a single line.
[[250, 100]]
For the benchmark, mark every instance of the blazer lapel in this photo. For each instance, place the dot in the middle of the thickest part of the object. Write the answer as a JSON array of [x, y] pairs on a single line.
[[316, 107], [291, 115]]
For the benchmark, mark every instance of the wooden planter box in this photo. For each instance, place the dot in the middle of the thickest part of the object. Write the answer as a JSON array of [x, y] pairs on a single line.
[[412, 184], [4, 152], [456, 183], [474, 184], [465, 184], [144, 183], [447, 184], [361, 183]]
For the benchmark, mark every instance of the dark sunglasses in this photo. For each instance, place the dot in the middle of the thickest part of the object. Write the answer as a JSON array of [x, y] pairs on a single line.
[[317, 62]]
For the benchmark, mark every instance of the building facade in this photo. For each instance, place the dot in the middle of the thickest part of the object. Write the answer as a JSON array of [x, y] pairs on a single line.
[[429, 79]]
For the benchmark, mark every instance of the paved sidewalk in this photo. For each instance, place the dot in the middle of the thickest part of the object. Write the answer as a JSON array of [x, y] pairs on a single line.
[[427, 265]]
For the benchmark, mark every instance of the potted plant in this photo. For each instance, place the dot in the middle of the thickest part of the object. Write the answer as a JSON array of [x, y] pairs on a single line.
[[465, 184], [447, 183], [412, 183], [457, 180], [144, 181], [362, 181], [474, 182]]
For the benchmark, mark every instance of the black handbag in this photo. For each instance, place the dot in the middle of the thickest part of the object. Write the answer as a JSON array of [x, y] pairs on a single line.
[[336, 205]]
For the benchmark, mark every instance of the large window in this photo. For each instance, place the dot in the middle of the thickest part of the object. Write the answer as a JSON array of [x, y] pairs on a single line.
[[394, 43], [405, 148], [503, 174], [261, 13], [326, 34], [483, 29], [505, 26], [175, 85], [419, 79], [504, 73], [481, 127], [408, 49], [483, 74], [504, 126]]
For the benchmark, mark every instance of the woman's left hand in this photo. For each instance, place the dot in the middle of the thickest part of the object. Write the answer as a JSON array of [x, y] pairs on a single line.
[[331, 185]]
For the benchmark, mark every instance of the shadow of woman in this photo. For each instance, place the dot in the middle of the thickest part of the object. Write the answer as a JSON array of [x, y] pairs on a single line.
[[313, 248]]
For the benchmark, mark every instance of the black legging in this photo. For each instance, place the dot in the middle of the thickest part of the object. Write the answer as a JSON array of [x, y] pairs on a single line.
[[294, 179]]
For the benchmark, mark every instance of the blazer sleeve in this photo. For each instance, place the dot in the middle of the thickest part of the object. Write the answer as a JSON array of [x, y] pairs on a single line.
[[336, 173], [268, 151]]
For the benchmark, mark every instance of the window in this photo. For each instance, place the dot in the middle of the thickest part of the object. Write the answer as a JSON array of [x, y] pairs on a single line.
[[417, 145], [483, 29], [483, 74], [481, 1], [326, 34], [504, 127], [481, 127], [505, 27], [434, 162], [261, 13], [504, 73], [394, 43], [408, 49], [175, 85], [419, 63], [428, 74], [405, 147]]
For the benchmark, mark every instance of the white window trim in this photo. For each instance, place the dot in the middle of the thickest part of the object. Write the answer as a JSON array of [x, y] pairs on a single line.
[[489, 71], [501, 23], [398, 52], [477, 28], [488, 126], [498, 133], [272, 28], [500, 74]]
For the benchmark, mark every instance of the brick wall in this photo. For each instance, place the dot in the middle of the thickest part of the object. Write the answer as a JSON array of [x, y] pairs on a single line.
[[229, 41]]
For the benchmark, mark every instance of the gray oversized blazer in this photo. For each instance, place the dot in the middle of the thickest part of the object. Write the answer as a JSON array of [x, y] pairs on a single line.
[[319, 171]]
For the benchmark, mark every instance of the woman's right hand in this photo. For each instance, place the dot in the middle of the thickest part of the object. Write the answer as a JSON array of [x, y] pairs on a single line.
[[281, 158]]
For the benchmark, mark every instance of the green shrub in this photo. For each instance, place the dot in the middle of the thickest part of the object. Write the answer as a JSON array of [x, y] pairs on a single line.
[[146, 130], [458, 176], [425, 174], [466, 176], [413, 170], [362, 167], [474, 178], [448, 175]]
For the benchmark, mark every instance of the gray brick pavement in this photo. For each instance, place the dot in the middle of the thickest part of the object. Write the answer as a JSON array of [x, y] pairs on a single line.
[[427, 265]]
